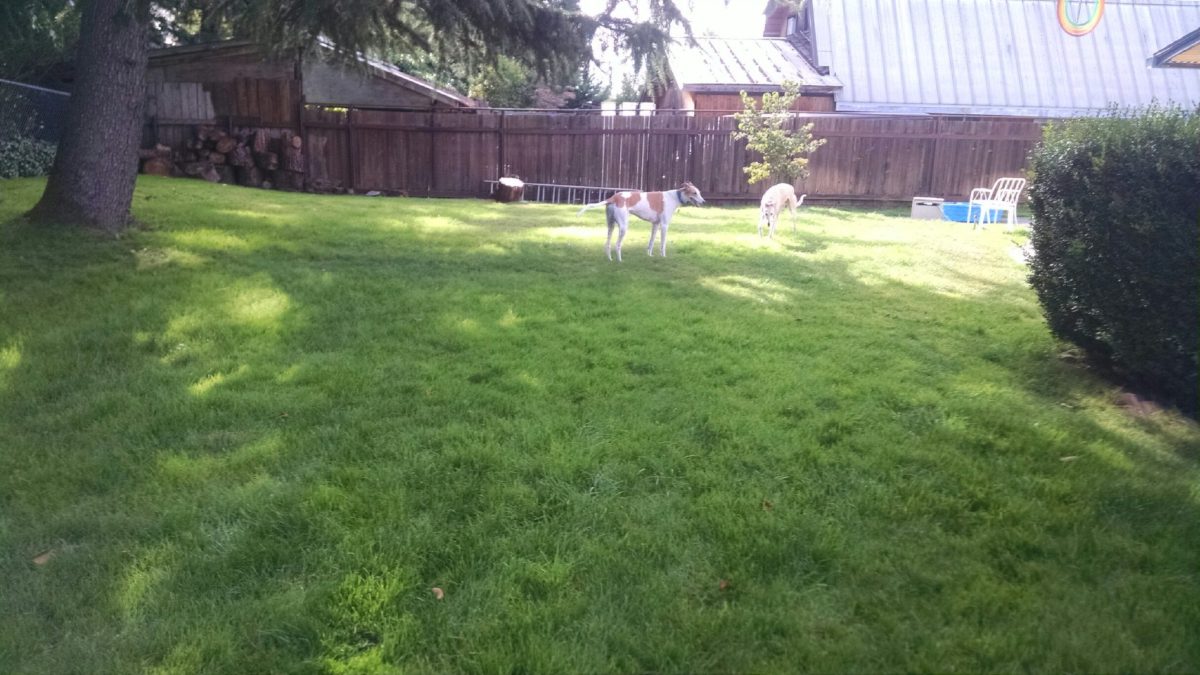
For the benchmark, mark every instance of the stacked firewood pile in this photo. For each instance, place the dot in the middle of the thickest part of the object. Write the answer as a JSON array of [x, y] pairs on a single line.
[[247, 156]]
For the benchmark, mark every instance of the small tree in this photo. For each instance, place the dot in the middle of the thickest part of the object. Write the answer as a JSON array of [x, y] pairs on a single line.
[[632, 89], [784, 151], [587, 92]]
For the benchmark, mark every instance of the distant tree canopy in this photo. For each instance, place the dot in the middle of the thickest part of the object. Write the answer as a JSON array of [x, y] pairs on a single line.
[[587, 92], [36, 37], [507, 83], [504, 83]]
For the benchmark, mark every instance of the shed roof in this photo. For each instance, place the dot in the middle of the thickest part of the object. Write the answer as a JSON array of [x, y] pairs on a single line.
[[987, 57], [752, 64], [380, 69], [393, 74], [1182, 53]]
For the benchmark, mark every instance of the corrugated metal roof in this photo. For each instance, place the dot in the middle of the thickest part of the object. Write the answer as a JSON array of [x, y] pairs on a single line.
[[1000, 57], [753, 64]]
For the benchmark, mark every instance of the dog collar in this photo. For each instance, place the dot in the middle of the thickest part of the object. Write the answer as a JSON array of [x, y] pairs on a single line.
[[679, 195]]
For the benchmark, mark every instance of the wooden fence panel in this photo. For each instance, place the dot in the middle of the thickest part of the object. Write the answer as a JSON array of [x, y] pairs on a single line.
[[327, 145], [374, 169], [452, 153]]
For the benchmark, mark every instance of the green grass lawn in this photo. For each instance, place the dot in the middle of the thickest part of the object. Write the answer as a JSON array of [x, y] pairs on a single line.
[[255, 435]]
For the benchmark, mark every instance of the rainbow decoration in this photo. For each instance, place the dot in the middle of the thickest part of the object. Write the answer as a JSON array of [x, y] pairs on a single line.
[[1080, 25]]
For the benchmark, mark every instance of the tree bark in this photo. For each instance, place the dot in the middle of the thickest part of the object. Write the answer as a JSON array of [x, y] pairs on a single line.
[[92, 181], [510, 190]]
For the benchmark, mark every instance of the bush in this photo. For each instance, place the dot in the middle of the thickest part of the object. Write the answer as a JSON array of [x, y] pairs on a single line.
[[21, 153], [1116, 231], [25, 156]]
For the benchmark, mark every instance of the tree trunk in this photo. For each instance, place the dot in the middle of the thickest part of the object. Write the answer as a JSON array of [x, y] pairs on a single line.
[[510, 190], [104, 122]]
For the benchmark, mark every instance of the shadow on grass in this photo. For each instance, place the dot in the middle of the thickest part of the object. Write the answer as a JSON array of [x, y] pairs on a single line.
[[249, 453]]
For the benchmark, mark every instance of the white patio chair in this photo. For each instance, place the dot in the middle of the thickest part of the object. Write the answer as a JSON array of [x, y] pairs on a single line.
[[1002, 196]]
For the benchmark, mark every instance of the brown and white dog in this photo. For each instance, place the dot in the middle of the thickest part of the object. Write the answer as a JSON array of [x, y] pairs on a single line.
[[655, 207], [774, 201]]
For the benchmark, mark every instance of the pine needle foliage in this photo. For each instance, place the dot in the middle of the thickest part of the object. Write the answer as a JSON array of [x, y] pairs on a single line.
[[35, 36], [553, 36]]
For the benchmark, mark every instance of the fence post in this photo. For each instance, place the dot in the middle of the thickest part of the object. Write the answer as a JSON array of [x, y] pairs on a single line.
[[644, 152], [303, 137], [501, 164], [691, 148], [931, 163], [432, 153], [353, 145]]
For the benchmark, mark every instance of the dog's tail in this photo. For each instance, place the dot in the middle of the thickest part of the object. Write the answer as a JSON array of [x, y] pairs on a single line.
[[793, 202], [591, 206]]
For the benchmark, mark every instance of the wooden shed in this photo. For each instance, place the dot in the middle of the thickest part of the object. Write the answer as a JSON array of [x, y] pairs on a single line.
[[242, 81]]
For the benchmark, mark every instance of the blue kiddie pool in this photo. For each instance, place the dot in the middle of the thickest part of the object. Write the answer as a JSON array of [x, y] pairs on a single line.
[[959, 213]]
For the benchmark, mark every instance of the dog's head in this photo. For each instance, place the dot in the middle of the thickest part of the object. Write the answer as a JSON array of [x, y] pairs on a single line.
[[689, 194]]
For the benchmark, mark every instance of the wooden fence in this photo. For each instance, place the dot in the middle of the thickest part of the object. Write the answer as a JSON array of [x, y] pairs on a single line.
[[174, 109], [450, 153], [868, 158]]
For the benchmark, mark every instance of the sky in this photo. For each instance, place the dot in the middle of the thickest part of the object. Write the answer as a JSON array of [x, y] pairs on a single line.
[[735, 18], [728, 18]]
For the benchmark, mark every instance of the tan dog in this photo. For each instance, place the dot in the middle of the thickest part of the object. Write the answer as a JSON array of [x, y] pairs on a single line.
[[774, 201], [656, 207]]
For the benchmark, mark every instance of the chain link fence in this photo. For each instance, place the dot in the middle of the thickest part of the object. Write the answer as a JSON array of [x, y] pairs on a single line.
[[27, 111], [32, 120]]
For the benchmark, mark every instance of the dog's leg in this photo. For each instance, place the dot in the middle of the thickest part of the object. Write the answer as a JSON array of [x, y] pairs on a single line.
[[610, 220], [761, 217], [653, 231], [623, 227], [662, 237]]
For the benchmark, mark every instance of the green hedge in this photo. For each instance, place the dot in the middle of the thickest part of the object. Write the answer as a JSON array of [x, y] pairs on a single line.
[[20, 153], [25, 156], [1116, 233]]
